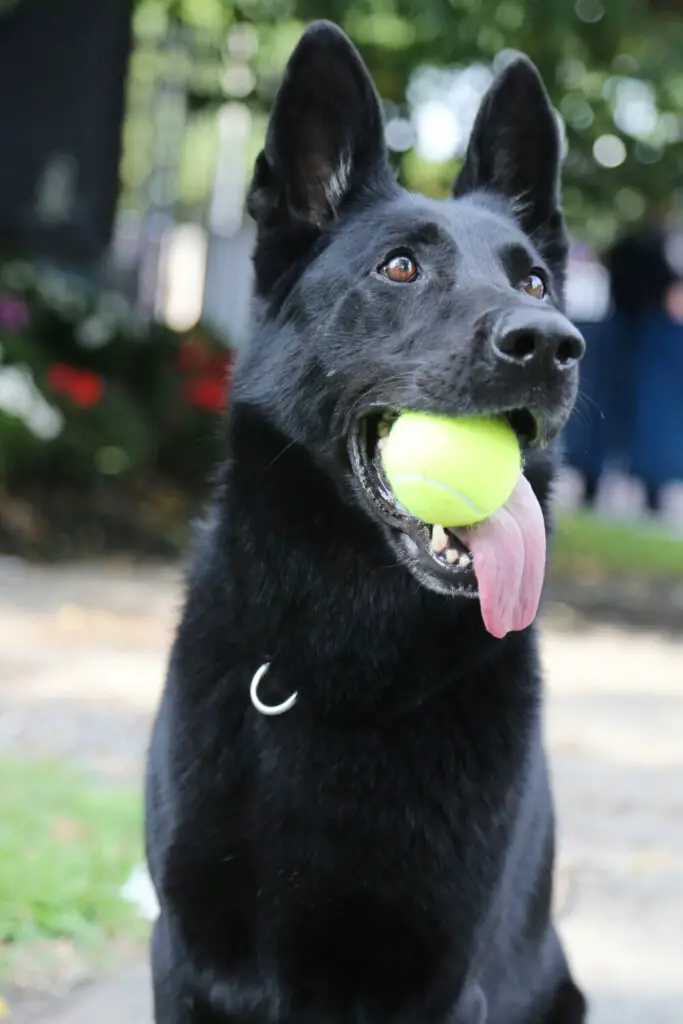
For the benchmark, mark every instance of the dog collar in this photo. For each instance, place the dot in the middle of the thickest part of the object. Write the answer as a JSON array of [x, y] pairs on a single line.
[[268, 709]]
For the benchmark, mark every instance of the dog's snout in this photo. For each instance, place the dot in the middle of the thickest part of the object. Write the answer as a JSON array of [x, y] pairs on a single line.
[[548, 342]]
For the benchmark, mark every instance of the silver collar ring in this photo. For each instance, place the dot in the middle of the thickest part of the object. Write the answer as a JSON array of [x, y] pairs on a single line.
[[268, 709]]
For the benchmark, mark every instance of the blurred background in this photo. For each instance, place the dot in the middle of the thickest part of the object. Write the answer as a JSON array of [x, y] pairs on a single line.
[[128, 130]]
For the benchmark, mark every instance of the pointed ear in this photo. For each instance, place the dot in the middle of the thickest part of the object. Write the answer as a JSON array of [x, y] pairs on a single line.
[[325, 138], [514, 150]]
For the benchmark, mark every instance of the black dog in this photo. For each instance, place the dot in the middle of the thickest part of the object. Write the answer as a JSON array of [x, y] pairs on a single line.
[[382, 851]]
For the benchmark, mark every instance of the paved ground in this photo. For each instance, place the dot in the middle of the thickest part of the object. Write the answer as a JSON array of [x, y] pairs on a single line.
[[82, 656]]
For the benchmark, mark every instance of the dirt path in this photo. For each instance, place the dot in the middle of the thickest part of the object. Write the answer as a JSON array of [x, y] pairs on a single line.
[[82, 656], [82, 659]]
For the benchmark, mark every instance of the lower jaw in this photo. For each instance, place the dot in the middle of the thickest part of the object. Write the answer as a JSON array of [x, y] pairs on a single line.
[[440, 575]]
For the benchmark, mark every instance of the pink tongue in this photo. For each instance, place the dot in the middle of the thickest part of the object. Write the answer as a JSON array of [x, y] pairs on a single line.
[[509, 560]]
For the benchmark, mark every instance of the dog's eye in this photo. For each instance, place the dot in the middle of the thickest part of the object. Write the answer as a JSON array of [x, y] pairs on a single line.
[[535, 286], [400, 268]]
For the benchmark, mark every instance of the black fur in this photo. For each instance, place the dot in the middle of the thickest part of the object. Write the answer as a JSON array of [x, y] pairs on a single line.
[[383, 852]]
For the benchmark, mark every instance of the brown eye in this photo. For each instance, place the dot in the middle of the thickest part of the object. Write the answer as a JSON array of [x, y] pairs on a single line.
[[401, 269], [535, 286]]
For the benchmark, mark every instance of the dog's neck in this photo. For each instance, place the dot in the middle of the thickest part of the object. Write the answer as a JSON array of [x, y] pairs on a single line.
[[284, 538]]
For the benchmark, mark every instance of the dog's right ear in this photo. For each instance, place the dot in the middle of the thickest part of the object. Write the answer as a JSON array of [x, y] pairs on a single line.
[[325, 139]]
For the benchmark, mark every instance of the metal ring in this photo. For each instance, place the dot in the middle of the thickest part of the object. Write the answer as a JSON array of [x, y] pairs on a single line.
[[268, 709]]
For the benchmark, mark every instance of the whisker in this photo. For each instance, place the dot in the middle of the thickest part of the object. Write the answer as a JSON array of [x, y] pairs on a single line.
[[283, 452]]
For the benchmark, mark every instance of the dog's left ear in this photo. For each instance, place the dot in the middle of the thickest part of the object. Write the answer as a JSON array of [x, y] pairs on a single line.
[[514, 150], [325, 138]]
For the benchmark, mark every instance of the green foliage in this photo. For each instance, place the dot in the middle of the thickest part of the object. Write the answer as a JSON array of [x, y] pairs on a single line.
[[66, 848], [589, 51], [584, 545]]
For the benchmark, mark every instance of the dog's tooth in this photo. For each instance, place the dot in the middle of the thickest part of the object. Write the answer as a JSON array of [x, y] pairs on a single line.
[[464, 560], [383, 429], [439, 541], [452, 556], [382, 443]]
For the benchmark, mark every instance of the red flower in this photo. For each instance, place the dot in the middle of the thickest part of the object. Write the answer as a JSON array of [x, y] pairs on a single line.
[[83, 387], [209, 393], [209, 375], [221, 365]]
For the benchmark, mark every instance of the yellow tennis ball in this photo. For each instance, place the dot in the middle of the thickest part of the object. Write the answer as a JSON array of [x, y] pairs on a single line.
[[451, 471]]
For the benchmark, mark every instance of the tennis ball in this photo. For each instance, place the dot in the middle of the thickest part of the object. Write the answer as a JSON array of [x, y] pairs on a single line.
[[451, 471]]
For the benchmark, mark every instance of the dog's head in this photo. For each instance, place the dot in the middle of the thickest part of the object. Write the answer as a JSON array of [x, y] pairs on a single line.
[[371, 300]]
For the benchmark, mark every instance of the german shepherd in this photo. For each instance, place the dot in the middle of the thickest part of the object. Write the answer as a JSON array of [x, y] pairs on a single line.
[[349, 819]]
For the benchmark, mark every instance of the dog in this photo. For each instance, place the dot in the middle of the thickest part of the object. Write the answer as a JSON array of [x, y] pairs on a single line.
[[348, 813]]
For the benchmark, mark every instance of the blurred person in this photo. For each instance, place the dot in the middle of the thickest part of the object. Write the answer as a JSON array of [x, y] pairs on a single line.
[[640, 273], [641, 286], [588, 437]]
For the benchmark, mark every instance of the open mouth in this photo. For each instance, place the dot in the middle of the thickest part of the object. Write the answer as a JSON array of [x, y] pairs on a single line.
[[501, 560], [435, 544]]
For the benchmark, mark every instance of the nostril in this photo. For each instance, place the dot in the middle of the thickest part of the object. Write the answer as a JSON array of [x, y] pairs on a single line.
[[569, 351], [524, 345], [518, 346], [565, 353]]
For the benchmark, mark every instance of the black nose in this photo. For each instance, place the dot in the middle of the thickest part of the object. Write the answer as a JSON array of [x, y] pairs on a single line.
[[546, 339]]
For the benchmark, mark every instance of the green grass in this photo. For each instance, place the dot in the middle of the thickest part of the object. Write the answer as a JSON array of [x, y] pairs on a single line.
[[66, 847], [583, 542]]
